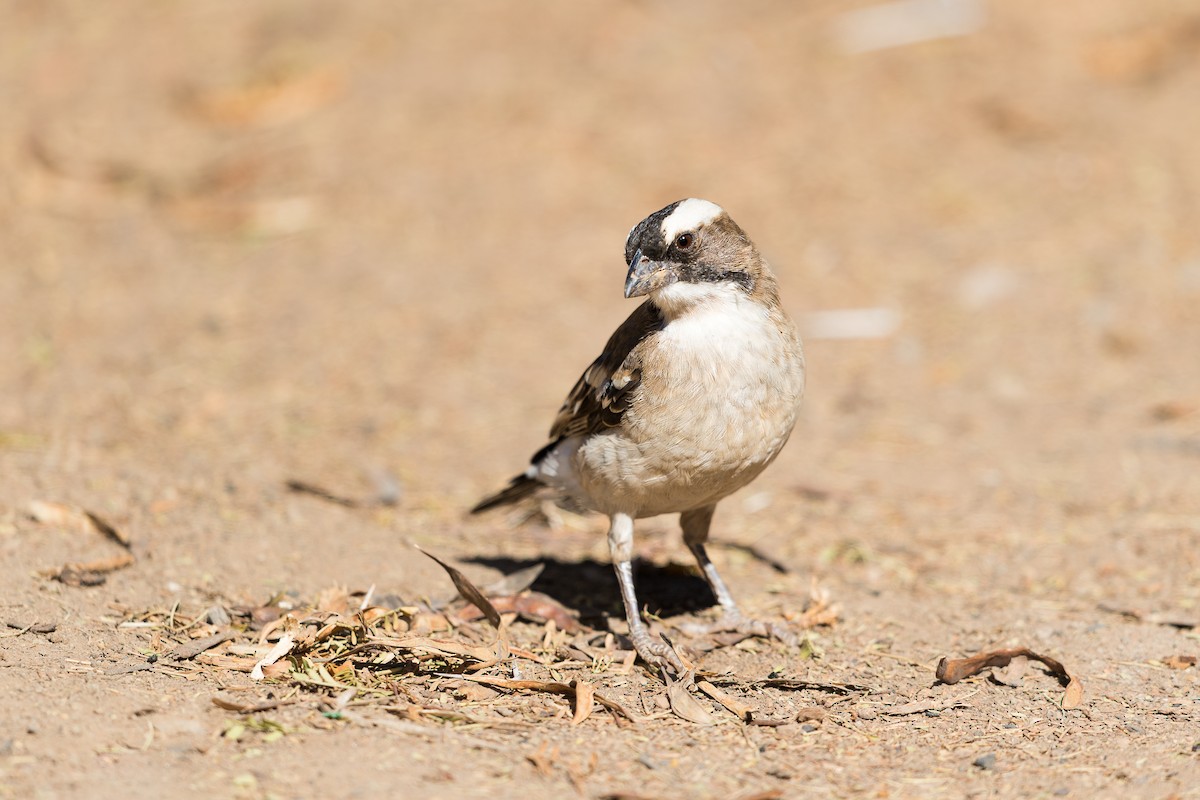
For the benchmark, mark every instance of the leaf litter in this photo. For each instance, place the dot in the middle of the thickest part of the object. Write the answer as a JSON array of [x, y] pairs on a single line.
[[85, 573], [950, 671], [352, 658]]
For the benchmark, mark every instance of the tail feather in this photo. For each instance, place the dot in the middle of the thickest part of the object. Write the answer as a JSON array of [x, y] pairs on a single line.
[[519, 487]]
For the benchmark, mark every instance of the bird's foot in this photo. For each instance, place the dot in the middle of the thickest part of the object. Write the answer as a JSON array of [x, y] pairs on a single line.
[[734, 621], [658, 654]]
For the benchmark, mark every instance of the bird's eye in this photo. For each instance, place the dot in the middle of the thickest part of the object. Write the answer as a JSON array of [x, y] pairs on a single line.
[[684, 241]]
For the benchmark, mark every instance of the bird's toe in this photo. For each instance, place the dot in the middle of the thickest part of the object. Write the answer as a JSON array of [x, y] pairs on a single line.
[[737, 622]]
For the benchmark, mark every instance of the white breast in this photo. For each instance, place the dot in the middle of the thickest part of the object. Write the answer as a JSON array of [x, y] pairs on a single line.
[[718, 400]]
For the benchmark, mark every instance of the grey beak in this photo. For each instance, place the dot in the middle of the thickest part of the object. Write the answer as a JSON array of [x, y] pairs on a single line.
[[632, 276], [645, 276]]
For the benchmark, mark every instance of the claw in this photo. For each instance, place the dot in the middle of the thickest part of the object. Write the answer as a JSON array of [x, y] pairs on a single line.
[[658, 654]]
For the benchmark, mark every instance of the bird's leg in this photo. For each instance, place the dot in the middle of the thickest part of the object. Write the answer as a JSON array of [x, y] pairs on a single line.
[[620, 544], [695, 525]]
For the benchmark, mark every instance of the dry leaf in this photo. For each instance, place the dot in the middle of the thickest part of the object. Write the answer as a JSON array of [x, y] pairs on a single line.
[[952, 671], [1180, 662], [468, 591], [820, 611], [195, 647], [739, 709], [686, 705], [585, 694], [230, 703], [77, 519], [281, 649], [108, 529], [231, 663], [1013, 674], [32, 627], [551, 687], [812, 714], [90, 573]]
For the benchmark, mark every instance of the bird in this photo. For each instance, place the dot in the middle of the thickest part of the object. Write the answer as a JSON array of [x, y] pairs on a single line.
[[693, 396]]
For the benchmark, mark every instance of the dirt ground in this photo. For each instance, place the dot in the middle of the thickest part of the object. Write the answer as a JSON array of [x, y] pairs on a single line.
[[372, 246]]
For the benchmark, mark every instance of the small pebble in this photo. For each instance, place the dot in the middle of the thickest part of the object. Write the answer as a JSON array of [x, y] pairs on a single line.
[[865, 713], [986, 761], [1061, 791], [808, 727], [648, 762]]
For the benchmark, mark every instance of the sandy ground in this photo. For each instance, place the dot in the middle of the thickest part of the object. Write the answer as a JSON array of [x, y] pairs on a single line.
[[248, 243]]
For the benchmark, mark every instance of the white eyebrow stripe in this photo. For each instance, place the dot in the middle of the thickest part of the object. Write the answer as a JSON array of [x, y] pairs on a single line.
[[688, 216]]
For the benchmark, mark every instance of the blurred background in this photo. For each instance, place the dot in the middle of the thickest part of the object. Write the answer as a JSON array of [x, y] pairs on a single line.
[[367, 243], [371, 246]]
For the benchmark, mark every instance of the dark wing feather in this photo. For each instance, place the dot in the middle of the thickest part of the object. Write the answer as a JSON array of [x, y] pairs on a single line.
[[602, 393], [598, 400]]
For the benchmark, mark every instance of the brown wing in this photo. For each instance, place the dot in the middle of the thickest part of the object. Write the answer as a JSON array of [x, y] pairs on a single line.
[[602, 393]]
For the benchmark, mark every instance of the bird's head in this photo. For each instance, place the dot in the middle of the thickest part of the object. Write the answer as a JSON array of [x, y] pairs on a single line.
[[690, 248]]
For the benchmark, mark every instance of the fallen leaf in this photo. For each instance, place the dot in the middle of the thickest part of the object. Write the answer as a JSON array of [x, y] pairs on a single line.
[[230, 703], [468, 590], [686, 705], [739, 709], [108, 529], [585, 695], [32, 627], [281, 649], [951, 671], [1013, 674], [551, 687], [77, 519], [811, 714], [189, 650], [89, 573], [1180, 662]]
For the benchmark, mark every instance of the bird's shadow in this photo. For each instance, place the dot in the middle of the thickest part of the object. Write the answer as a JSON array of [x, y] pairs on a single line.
[[590, 587]]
